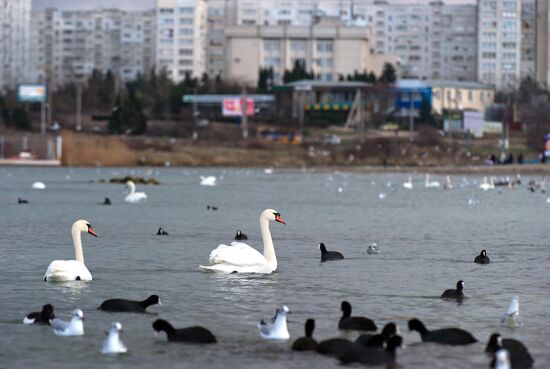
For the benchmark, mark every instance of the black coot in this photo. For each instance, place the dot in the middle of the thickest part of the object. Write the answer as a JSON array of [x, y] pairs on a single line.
[[520, 358], [128, 306], [306, 343], [356, 323], [195, 334], [454, 293], [446, 336], [482, 258], [329, 255]]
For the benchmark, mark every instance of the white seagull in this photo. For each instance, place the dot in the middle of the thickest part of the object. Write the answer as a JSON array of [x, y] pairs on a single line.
[[113, 344], [276, 329], [75, 327], [511, 316]]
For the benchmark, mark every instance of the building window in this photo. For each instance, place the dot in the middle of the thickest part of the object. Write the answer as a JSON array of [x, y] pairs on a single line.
[[186, 10], [166, 11], [324, 46], [298, 45], [272, 46]]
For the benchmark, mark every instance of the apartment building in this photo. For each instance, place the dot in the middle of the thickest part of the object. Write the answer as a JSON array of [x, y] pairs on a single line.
[[499, 42], [215, 49], [15, 21], [181, 42], [327, 48], [70, 45]]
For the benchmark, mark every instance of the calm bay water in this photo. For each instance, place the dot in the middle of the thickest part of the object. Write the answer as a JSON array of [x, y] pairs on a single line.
[[428, 237]]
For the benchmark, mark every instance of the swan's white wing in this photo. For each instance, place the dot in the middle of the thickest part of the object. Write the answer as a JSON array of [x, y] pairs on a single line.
[[238, 253], [514, 307], [67, 270]]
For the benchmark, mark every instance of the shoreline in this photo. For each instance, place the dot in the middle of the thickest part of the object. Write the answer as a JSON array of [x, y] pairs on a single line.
[[511, 169]]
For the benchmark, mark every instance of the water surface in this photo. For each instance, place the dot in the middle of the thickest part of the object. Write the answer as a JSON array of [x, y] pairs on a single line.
[[428, 238]]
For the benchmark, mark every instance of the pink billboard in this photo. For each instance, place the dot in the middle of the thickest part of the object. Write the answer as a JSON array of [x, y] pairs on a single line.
[[232, 107]]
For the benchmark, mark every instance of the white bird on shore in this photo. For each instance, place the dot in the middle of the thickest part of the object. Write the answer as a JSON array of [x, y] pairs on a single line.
[[133, 196], [113, 343], [39, 186], [511, 316], [276, 329], [75, 327], [408, 185], [208, 181], [429, 184]]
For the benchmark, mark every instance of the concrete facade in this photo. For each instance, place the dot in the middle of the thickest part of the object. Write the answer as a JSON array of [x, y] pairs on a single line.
[[453, 95], [499, 42], [181, 38], [68, 45], [327, 49], [15, 21]]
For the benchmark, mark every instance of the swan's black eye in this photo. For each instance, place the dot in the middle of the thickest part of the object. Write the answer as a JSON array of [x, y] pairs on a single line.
[[277, 214], [88, 225]]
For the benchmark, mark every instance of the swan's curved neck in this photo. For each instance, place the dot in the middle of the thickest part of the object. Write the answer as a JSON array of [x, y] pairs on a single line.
[[77, 242], [269, 250], [132, 187]]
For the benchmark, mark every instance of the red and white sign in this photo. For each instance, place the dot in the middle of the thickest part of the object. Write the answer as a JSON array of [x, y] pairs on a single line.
[[232, 107]]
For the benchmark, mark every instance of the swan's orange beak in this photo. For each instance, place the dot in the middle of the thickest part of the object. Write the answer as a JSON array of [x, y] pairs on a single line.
[[279, 219], [92, 231]]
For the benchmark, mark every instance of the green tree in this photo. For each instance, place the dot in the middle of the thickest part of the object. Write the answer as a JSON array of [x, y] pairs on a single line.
[[128, 117], [265, 79], [20, 118], [297, 73], [388, 74], [425, 114]]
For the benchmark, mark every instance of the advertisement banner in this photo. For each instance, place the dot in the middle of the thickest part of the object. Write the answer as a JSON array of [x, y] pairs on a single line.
[[547, 145], [31, 93], [231, 107]]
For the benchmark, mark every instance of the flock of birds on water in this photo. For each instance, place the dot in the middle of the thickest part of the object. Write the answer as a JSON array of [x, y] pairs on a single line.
[[370, 348]]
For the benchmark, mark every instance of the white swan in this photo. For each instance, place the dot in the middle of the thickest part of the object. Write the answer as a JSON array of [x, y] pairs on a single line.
[[432, 183], [487, 185], [75, 327], [134, 196], [208, 181], [409, 184], [241, 258], [39, 186], [71, 270]]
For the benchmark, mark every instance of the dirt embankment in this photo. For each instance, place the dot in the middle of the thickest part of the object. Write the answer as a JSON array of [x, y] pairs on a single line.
[[376, 156], [92, 150]]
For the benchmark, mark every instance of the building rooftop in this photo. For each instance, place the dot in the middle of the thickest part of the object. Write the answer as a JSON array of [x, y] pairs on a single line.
[[460, 84], [328, 84]]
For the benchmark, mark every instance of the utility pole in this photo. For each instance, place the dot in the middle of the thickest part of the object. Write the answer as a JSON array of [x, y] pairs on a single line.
[[244, 118], [360, 118], [43, 116], [195, 115], [411, 117], [78, 107], [301, 114]]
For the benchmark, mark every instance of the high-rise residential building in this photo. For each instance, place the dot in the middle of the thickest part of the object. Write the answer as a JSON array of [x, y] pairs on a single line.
[[181, 38], [215, 49], [327, 48], [499, 42], [542, 72], [528, 39], [15, 20], [69, 45], [433, 41]]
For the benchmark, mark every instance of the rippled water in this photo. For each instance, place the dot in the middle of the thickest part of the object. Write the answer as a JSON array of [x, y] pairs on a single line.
[[428, 238]]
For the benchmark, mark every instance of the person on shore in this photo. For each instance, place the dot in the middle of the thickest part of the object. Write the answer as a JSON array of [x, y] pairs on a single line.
[[520, 158]]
